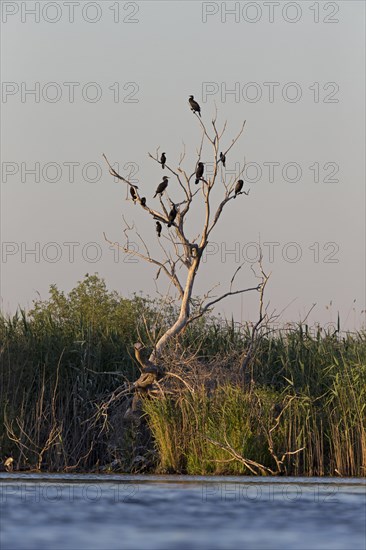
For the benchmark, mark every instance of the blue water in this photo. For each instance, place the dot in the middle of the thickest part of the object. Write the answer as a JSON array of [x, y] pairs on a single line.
[[177, 512]]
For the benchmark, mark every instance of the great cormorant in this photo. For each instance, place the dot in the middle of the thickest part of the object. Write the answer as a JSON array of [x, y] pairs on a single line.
[[172, 215], [158, 228], [162, 186], [223, 159], [238, 187], [194, 105], [199, 172], [133, 194], [143, 201], [163, 160]]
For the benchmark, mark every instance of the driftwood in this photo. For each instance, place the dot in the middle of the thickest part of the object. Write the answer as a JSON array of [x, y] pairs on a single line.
[[150, 371]]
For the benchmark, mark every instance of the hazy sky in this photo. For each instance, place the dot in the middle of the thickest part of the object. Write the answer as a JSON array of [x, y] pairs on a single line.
[[114, 77]]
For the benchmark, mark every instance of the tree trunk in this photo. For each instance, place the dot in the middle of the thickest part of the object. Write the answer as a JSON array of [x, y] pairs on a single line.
[[184, 314]]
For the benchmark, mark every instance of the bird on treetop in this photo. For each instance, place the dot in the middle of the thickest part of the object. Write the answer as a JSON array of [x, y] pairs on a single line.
[[158, 228], [194, 105], [199, 172], [223, 159], [162, 186], [172, 215], [238, 187], [163, 160], [133, 194]]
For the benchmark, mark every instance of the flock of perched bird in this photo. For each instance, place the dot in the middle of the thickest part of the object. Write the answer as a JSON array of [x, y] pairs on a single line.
[[199, 176]]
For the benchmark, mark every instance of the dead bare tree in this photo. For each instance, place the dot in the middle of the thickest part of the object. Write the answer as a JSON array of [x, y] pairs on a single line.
[[182, 261]]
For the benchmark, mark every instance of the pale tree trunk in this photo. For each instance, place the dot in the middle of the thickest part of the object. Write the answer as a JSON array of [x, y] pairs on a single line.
[[184, 314]]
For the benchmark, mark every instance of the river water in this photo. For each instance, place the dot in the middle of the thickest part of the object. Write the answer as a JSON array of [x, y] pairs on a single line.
[[107, 512]]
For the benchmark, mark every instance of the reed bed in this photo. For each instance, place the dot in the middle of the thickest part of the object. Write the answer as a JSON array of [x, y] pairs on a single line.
[[66, 366]]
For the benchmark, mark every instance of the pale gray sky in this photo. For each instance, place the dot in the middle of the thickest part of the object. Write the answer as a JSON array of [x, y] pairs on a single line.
[[154, 64]]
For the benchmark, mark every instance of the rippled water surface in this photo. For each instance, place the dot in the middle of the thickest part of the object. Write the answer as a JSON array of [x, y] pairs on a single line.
[[175, 512]]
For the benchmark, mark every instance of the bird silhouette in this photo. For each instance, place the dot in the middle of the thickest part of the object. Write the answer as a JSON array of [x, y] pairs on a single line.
[[223, 159], [238, 187], [143, 201], [172, 215], [161, 187], [199, 172], [194, 105], [133, 194], [163, 160], [158, 228]]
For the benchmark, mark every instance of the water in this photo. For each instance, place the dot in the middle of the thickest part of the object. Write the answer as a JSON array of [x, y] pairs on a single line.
[[179, 512]]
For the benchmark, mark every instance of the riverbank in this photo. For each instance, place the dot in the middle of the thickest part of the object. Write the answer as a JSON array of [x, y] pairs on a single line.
[[67, 368]]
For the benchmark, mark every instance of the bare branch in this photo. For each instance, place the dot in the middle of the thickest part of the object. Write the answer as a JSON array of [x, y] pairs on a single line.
[[213, 302], [262, 316], [172, 276], [115, 174], [253, 466], [235, 274], [183, 154], [236, 138]]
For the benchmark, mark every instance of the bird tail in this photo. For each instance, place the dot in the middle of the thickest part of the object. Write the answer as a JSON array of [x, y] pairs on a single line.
[[163, 166], [154, 196], [199, 112], [197, 181]]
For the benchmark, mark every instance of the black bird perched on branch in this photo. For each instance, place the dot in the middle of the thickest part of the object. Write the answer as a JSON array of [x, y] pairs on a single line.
[[163, 160], [158, 228], [143, 201], [172, 215], [223, 159], [238, 187], [162, 186], [133, 194], [199, 172], [194, 105]]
